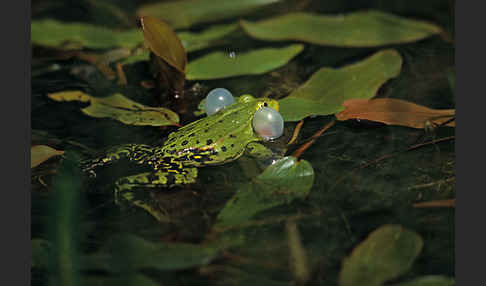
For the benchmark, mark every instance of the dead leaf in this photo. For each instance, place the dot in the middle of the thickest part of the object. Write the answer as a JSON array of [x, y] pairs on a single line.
[[393, 111], [41, 153], [163, 42], [120, 108], [451, 203]]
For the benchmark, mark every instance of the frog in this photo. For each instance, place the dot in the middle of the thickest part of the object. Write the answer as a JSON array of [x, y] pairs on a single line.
[[217, 139]]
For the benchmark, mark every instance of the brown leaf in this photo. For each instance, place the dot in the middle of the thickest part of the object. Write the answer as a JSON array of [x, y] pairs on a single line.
[[440, 203], [41, 153], [163, 42], [395, 112]]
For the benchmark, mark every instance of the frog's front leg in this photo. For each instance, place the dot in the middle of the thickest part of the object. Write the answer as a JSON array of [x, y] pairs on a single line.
[[259, 151], [135, 189], [133, 152]]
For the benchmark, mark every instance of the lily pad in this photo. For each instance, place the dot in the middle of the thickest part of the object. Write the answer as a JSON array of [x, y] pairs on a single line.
[[222, 65], [67, 36], [429, 280], [183, 14], [120, 108], [128, 252], [387, 253], [280, 183], [41, 153], [358, 29], [328, 88]]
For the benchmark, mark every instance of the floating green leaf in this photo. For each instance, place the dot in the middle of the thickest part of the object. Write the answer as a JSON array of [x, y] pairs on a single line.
[[61, 35], [280, 183], [222, 65], [41, 153], [120, 108], [126, 253], [183, 14], [198, 41], [387, 253], [429, 280], [327, 89], [358, 29]]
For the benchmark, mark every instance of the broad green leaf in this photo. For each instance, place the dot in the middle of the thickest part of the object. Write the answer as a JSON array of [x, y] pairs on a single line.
[[164, 43], [183, 14], [120, 108], [128, 252], [328, 88], [41, 153], [280, 183], [223, 65], [198, 41], [387, 253], [358, 29], [61, 35], [429, 280], [40, 253]]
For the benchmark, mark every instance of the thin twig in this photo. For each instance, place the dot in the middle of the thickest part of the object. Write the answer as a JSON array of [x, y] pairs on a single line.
[[296, 132], [305, 146]]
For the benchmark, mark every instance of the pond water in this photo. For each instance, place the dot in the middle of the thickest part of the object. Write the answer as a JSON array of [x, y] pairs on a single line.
[[234, 225]]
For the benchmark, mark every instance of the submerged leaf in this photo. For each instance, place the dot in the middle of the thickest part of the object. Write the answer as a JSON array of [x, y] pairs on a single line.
[[429, 280], [393, 111], [164, 43], [328, 88], [280, 183], [41, 153], [387, 253], [223, 65], [183, 14], [120, 108], [358, 29], [129, 252]]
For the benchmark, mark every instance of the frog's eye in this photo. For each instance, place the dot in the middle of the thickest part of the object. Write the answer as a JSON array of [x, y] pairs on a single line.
[[268, 123], [218, 99]]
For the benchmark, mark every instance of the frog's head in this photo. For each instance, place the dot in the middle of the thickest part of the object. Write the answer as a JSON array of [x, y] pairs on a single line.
[[259, 102]]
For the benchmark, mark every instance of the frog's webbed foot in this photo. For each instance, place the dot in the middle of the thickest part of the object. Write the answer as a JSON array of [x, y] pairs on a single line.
[[133, 152], [125, 188]]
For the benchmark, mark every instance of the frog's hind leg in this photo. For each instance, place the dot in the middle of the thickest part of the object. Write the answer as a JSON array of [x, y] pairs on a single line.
[[125, 188], [133, 152]]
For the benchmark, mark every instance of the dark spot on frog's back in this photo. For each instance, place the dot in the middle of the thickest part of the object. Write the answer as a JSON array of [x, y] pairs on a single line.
[[223, 148], [220, 121], [232, 136], [191, 135], [206, 130], [209, 142], [184, 143]]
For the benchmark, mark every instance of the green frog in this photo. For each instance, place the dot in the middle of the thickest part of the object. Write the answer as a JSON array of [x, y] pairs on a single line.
[[216, 139]]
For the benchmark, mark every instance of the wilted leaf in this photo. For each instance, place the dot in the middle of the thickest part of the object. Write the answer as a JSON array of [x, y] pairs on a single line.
[[387, 253], [41, 153], [358, 29], [429, 280], [61, 35], [183, 14], [280, 183], [40, 253], [128, 252], [393, 111], [327, 89], [223, 65], [164, 42], [120, 108]]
